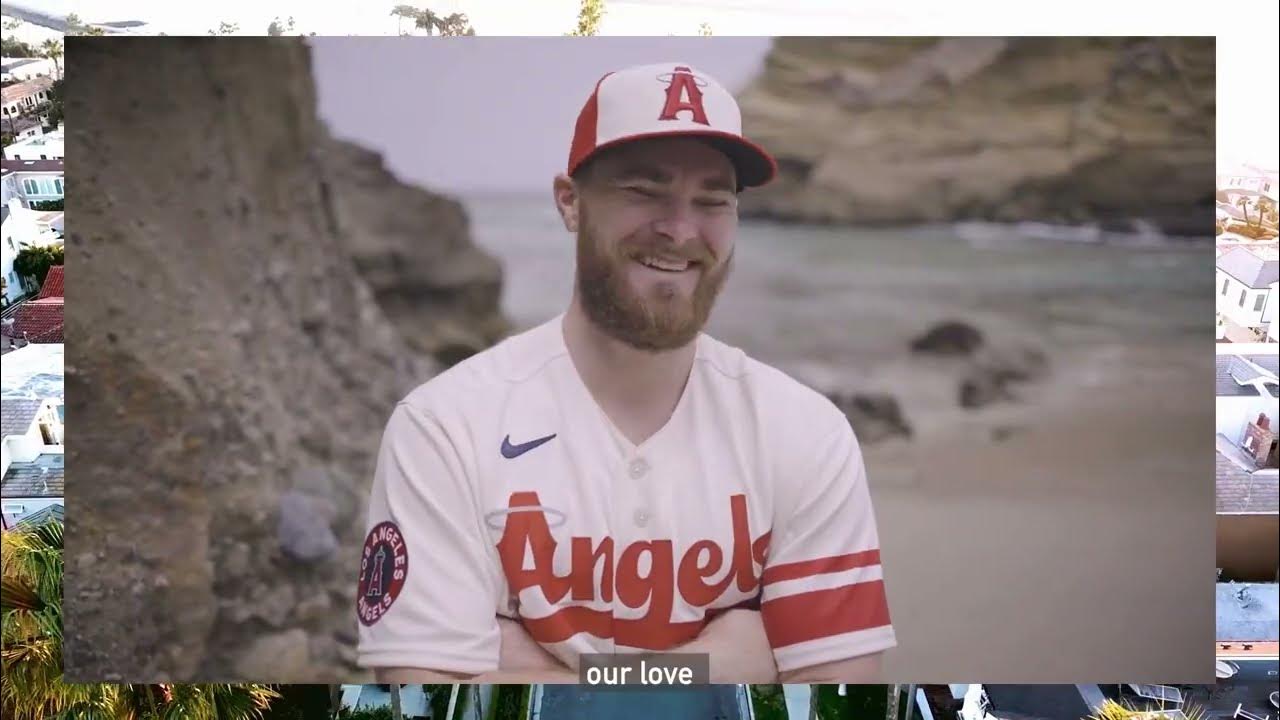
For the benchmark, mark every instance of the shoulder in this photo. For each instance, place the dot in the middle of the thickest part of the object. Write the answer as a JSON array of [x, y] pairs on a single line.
[[789, 411], [482, 380]]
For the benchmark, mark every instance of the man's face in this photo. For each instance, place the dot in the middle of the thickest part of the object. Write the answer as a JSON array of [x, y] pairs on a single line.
[[657, 220]]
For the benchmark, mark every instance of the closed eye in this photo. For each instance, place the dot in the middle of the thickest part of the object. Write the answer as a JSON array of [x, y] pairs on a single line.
[[640, 191]]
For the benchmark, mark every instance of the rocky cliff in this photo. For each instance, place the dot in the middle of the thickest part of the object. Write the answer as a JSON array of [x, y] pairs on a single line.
[[910, 130], [247, 299]]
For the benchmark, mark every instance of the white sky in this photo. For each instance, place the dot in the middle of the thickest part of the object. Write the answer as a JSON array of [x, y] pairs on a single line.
[[1248, 51]]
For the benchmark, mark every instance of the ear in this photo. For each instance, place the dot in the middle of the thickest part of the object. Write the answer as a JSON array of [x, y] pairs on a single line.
[[565, 193]]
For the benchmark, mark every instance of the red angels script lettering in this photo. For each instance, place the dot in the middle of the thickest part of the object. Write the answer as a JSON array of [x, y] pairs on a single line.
[[527, 533], [684, 84]]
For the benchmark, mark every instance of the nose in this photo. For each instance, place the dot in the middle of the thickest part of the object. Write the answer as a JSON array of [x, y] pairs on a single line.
[[678, 223]]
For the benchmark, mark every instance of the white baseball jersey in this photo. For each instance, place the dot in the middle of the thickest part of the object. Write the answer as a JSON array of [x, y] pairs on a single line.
[[502, 489]]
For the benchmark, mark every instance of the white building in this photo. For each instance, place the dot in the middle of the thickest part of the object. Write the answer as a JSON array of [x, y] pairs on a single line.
[[1250, 179], [42, 147], [1248, 287], [31, 181], [25, 97], [31, 457], [20, 69], [22, 228]]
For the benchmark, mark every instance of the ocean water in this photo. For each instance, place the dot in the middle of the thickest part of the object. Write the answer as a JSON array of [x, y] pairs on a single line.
[[836, 305]]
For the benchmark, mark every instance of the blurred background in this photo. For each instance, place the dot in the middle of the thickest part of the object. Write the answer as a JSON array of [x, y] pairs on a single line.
[[992, 254]]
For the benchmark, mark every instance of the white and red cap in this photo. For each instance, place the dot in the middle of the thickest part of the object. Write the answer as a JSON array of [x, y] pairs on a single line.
[[649, 101]]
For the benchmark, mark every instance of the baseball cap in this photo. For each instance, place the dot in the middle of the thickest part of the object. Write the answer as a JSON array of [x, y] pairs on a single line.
[[663, 100]]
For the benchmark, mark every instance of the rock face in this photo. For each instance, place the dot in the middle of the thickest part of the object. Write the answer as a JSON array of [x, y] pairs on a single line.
[[414, 249], [232, 369], [911, 130]]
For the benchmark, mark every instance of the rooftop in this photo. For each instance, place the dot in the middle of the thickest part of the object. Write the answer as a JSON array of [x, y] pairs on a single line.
[[1234, 374], [39, 321], [52, 287], [1051, 702], [1249, 268], [17, 414], [33, 371], [31, 166], [17, 91], [53, 512], [1242, 489], [13, 63], [42, 477], [1248, 611]]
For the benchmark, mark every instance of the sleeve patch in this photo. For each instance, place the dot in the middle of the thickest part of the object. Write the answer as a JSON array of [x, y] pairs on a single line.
[[384, 565]]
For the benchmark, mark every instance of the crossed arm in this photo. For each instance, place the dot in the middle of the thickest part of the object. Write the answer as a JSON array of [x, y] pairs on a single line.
[[735, 640]]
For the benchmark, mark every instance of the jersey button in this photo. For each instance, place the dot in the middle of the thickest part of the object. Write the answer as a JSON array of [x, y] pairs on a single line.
[[638, 468], [641, 518]]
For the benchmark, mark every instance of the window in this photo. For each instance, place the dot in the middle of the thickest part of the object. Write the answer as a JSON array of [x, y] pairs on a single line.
[[1257, 305], [1225, 283], [11, 245], [42, 186], [1243, 293]]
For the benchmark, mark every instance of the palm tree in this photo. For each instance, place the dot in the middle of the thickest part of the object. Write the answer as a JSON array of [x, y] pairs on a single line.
[[76, 26], [1112, 710], [1266, 209], [52, 49], [396, 712], [31, 631], [1242, 202], [456, 24], [891, 708], [589, 14]]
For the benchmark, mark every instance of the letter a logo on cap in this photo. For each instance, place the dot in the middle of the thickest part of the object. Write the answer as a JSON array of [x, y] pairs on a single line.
[[683, 83]]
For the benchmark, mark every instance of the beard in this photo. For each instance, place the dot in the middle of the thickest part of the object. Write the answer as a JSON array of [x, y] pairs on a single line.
[[661, 318]]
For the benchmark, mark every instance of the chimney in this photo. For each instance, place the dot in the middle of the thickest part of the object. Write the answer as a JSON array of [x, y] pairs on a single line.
[[1260, 442]]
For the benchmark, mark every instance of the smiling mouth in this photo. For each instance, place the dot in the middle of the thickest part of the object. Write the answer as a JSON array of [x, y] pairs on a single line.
[[666, 264]]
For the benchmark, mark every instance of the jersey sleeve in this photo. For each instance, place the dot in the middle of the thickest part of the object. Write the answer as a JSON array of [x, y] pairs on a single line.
[[427, 587], [823, 597]]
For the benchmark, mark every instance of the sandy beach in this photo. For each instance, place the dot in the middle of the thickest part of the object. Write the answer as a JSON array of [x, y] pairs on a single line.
[[1080, 546]]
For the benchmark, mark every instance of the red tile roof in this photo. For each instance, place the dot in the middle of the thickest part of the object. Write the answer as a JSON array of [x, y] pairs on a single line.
[[40, 320], [52, 284], [17, 91]]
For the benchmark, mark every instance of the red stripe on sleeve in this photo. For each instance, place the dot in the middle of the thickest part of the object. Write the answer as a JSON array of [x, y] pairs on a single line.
[[822, 613], [806, 568], [644, 633]]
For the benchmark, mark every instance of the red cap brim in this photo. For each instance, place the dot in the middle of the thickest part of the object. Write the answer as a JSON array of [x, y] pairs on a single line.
[[752, 164]]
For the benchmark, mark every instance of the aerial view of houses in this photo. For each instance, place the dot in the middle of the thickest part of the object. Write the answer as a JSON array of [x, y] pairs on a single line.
[[1248, 261], [32, 191], [1247, 437]]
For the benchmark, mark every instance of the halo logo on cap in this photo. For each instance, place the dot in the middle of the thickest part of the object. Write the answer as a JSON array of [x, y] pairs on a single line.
[[681, 84]]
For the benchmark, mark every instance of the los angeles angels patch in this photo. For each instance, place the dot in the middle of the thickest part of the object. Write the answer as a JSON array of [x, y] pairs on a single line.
[[384, 565]]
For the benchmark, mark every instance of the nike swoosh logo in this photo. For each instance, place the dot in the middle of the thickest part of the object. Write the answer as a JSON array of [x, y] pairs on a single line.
[[510, 451]]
